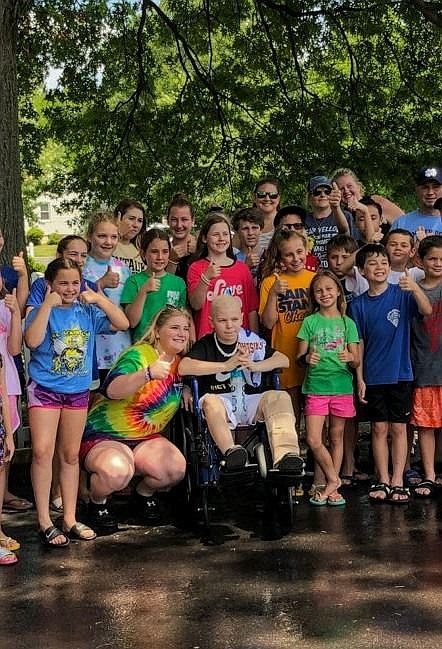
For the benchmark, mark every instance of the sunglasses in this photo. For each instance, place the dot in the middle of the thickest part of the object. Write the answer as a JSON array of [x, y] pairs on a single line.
[[322, 190], [260, 194], [293, 226]]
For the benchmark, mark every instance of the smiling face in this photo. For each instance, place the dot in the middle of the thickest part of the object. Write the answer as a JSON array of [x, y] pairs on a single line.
[[180, 222], [400, 250], [432, 263], [293, 254], [428, 193], [67, 284], [130, 224], [76, 250], [326, 293], [173, 335], [156, 255], [376, 269], [103, 240], [218, 238], [266, 198], [226, 317], [350, 188]]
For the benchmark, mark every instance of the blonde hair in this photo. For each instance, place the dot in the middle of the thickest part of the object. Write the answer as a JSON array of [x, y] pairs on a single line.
[[344, 171], [100, 216], [162, 318]]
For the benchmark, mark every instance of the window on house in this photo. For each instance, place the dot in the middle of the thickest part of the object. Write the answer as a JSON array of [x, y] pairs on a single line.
[[45, 212]]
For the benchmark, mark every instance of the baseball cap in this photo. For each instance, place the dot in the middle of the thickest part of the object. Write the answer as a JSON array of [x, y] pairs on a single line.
[[319, 181], [429, 174]]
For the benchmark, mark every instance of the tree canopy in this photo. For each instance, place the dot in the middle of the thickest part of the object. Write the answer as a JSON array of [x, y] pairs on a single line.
[[205, 96]]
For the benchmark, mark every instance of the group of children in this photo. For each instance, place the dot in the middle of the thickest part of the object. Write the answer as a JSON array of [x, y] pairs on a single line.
[[254, 309]]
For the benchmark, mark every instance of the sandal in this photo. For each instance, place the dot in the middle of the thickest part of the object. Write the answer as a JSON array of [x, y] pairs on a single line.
[[399, 491], [379, 486], [16, 505], [7, 558], [412, 477], [317, 500], [80, 532], [347, 481], [429, 485], [332, 501], [8, 543], [51, 533]]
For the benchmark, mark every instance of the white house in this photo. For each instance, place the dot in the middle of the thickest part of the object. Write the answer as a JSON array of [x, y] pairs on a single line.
[[52, 217]]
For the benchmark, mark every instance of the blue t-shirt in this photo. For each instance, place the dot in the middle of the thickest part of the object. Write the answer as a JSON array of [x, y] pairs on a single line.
[[412, 220], [384, 323], [63, 361], [37, 293], [10, 278]]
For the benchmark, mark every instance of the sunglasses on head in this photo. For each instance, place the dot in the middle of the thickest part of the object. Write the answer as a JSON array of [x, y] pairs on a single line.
[[321, 190], [260, 194], [293, 226]]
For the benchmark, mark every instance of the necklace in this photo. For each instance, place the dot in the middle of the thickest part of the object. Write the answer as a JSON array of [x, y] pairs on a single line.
[[221, 351]]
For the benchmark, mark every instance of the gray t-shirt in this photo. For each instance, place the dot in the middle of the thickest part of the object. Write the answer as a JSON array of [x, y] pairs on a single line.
[[321, 231], [426, 342]]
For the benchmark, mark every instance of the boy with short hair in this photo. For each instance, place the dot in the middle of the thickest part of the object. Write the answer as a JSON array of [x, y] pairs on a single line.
[[228, 364], [401, 250], [248, 223], [426, 355], [341, 254], [368, 220], [383, 317]]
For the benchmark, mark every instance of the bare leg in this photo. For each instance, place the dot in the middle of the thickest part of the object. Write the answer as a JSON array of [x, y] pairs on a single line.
[[43, 424], [350, 439], [398, 452], [321, 454], [111, 465], [215, 414], [160, 463]]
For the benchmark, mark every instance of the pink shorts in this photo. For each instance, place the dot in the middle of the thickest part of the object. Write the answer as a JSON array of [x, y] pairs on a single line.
[[339, 405]]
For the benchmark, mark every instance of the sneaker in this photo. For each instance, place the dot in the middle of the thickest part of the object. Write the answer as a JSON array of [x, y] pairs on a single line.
[[148, 508], [291, 464], [101, 519], [235, 458]]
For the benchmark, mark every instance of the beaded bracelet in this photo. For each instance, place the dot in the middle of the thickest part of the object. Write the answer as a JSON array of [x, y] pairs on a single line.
[[205, 279], [147, 374]]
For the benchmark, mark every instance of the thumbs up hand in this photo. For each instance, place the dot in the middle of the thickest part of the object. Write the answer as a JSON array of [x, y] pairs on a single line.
[[110, 279], [18, 264], [313, 357], [406, 282], [11, 301], [345, 355], [335, 196], [52, 298], [152, 285], [252, 258], [160, 369]]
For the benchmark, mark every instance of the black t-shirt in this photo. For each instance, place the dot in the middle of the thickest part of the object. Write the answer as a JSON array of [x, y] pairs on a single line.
[[205, 350]]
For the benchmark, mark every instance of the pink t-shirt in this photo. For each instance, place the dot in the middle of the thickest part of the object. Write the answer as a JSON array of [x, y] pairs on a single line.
[[234, 280]]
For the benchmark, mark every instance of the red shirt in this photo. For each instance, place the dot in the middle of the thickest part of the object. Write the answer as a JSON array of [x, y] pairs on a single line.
[[234, 280]]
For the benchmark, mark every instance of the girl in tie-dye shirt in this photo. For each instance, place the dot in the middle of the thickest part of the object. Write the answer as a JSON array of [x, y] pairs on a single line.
[[140, 395]]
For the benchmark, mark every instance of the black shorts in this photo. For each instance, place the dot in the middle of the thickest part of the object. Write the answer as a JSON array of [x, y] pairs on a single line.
[[390, 402]]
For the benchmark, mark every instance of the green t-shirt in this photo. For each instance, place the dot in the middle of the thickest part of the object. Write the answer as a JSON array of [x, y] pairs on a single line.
[[172, 292], [329, 336]]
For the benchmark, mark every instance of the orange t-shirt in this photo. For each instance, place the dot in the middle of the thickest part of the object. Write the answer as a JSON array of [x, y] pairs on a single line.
[[292, 308]]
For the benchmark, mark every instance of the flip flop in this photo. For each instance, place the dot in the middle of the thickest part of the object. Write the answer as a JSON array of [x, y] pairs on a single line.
[[16, 505], [8, 543], [77, 532], [318, 502], [7, 558], [50, 533], [339, 502]]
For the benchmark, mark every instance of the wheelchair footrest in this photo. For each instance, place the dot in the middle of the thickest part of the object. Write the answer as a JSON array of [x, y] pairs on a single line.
[[244, 475], [281, 478]]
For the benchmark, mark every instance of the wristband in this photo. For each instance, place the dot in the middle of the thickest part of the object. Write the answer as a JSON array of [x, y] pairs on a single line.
[[302, 360], [147, 374], [205, 279]]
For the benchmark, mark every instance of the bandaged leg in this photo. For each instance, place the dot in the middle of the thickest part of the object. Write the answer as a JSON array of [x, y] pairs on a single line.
[[276, 410]]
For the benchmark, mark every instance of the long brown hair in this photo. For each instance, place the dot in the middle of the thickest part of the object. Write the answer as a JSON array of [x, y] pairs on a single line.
[[341, 304], [273, 256]]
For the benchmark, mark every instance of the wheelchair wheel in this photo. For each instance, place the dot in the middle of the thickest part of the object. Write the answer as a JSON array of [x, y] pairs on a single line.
[[261, 461]]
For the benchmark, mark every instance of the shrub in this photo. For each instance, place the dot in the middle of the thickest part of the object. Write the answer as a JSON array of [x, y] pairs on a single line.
[[54, 238], [35, 266], [34, 235]]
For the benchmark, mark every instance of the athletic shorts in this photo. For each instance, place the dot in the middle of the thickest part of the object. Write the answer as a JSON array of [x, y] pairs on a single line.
[[41, 397], [338, 405], [427, 407], [233, 417], [389, 402]]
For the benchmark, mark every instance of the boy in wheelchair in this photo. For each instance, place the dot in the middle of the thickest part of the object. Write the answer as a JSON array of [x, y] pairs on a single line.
[[228, 364]]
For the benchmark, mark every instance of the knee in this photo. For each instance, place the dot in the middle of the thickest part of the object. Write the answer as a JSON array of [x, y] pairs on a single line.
[[69, 457], [41, 455], [212, 405], [314, 442], [116, 472]]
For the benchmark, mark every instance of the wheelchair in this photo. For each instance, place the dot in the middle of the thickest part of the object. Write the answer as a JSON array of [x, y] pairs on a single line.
[[206, 472]]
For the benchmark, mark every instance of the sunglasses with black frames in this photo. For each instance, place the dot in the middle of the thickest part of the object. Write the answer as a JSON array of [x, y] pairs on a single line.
[[322, 190], [260, 194]]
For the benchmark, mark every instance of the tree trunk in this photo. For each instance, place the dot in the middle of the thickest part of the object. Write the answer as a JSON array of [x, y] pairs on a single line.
[[11, 207]]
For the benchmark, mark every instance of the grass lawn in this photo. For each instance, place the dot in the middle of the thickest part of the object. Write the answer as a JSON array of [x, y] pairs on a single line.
[[44, 251]]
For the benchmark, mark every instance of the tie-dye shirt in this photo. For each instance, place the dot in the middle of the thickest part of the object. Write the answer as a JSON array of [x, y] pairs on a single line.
[[144, 413]]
